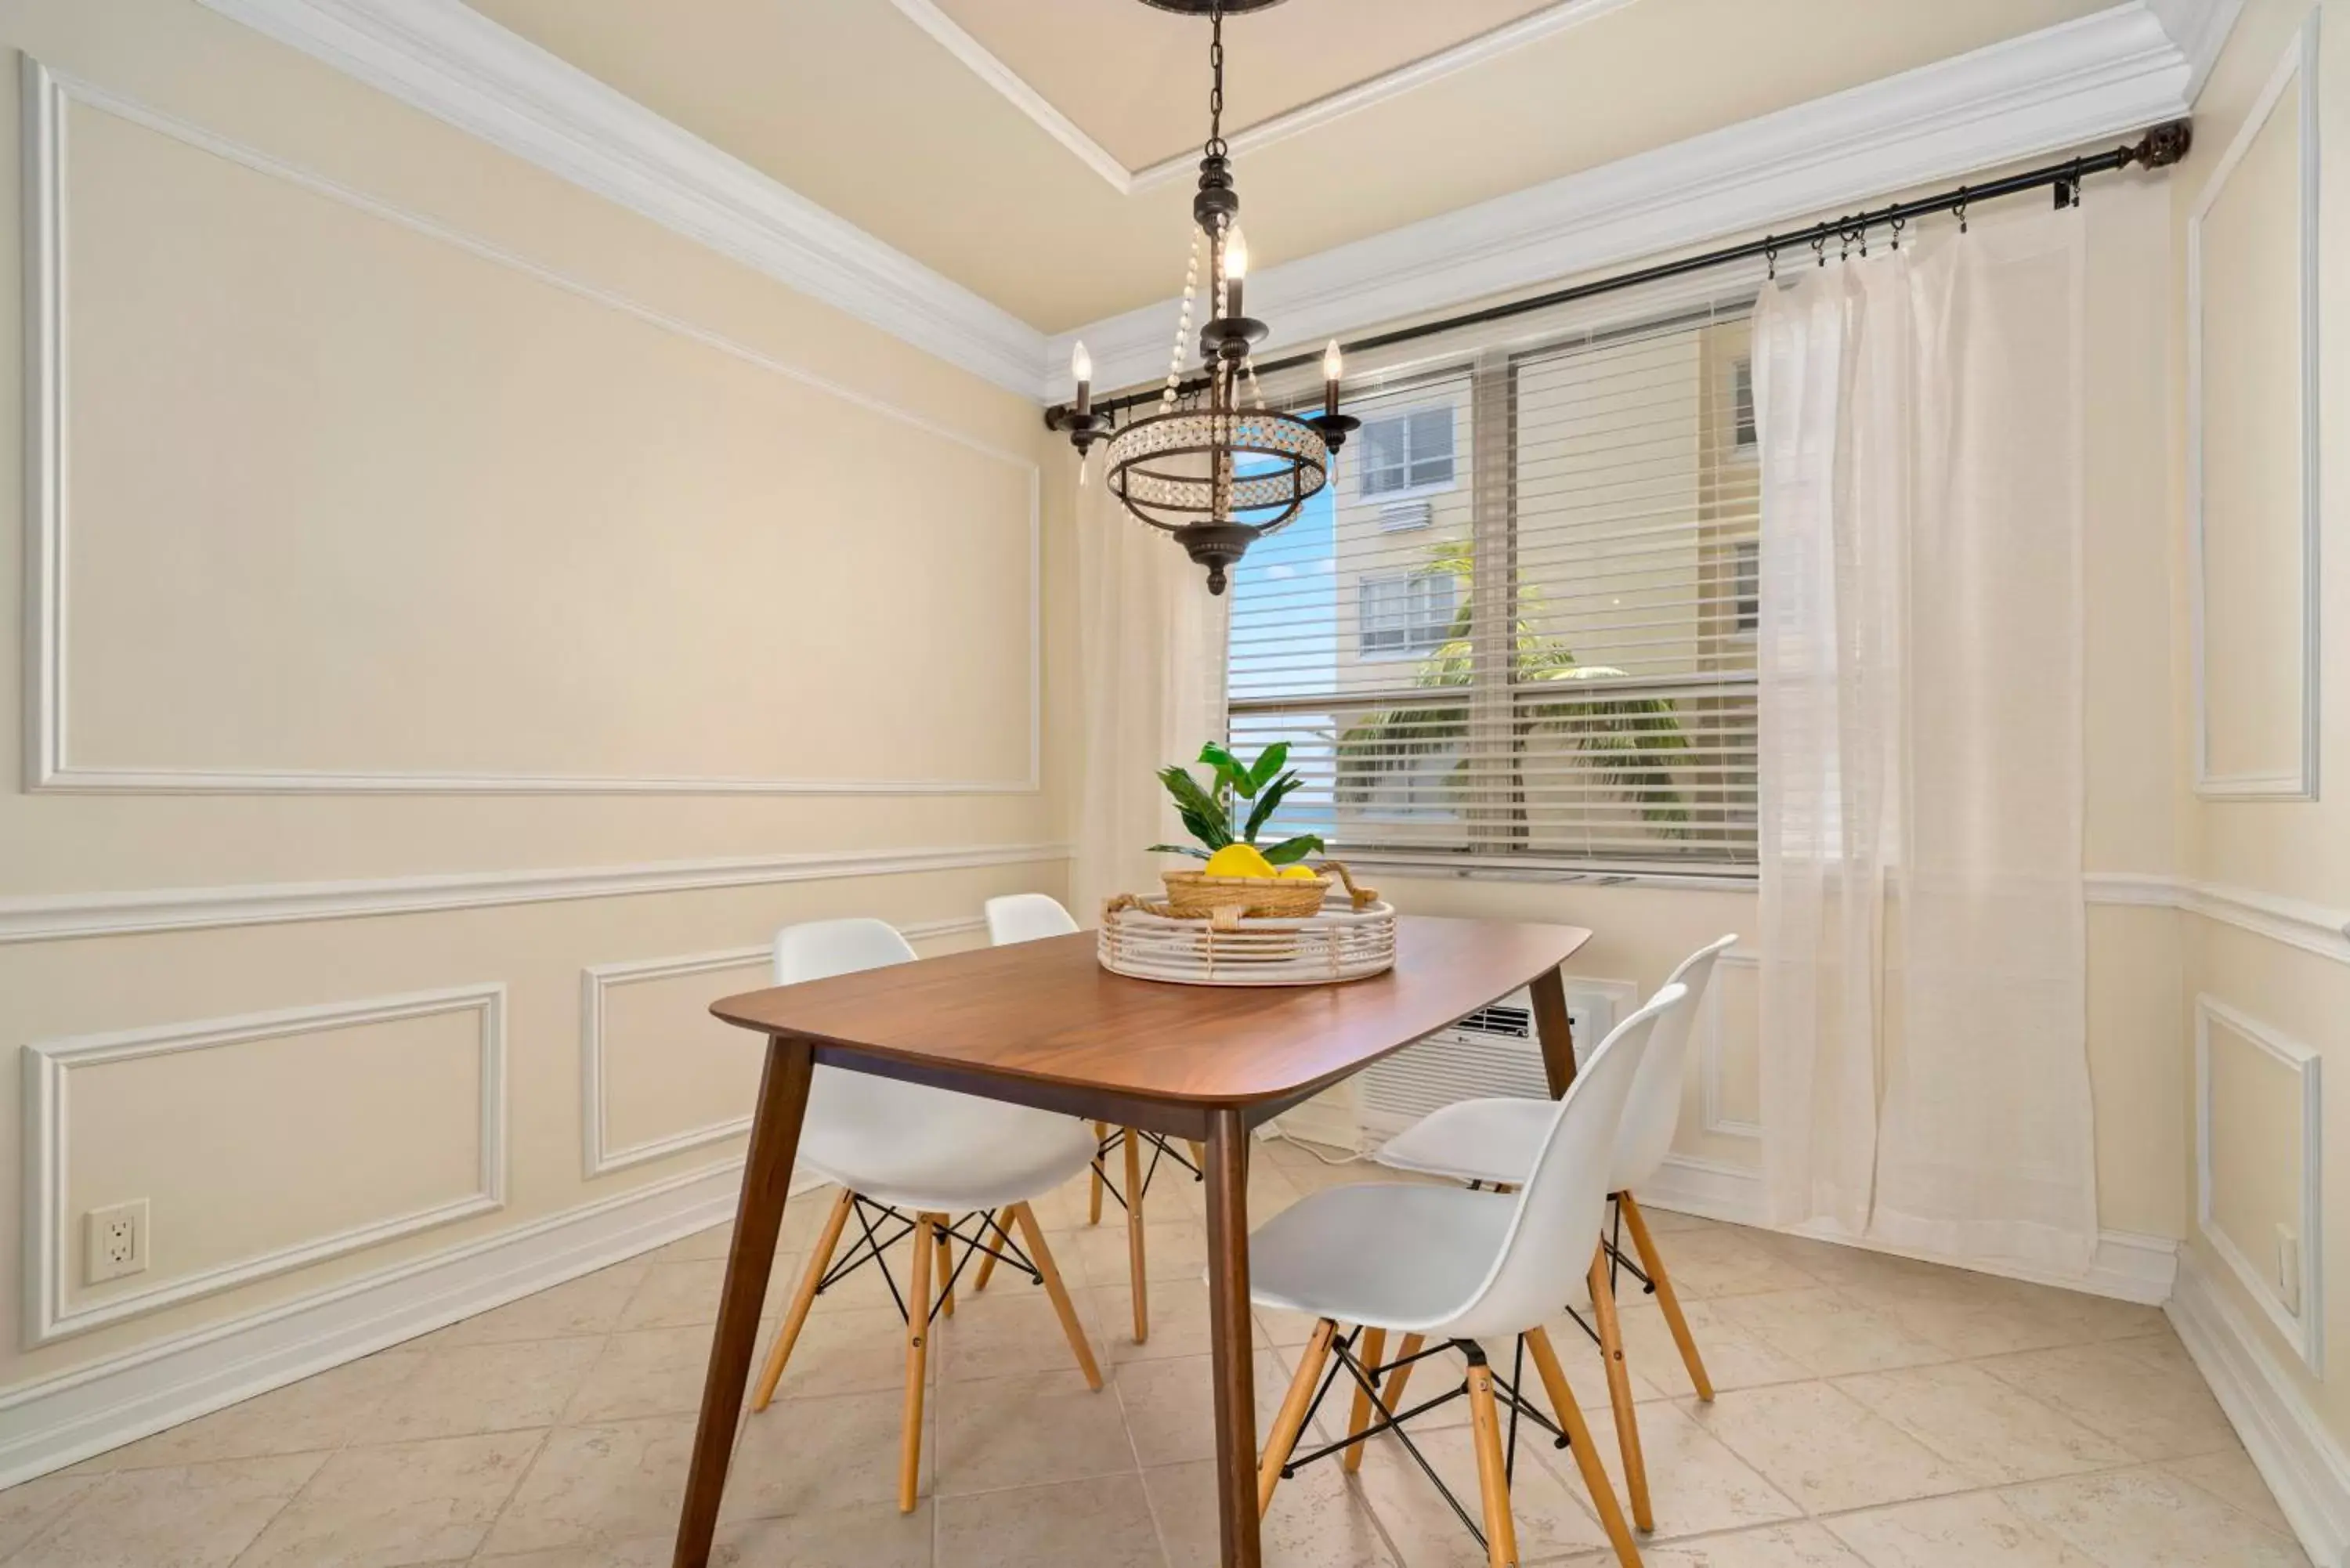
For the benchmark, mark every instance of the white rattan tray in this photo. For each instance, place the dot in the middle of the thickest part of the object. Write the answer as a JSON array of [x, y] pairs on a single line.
[[1147, 942]]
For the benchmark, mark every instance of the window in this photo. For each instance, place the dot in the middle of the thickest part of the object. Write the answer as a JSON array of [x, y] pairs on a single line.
[[1741, 402], [1405, 612], [1605, 721], [1411, 450]]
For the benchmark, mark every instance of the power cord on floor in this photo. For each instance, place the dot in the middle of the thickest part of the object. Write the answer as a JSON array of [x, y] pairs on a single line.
[[1281, 1133]]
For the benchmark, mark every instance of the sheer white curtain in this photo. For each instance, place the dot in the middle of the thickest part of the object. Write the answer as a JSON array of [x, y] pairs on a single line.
[[1924, 1033], [1153, 651]]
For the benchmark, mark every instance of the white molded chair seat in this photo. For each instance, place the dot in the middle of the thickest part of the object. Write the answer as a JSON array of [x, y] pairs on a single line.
[[1450, 1264], [924, 1156], [915, 1148], [1026, 918], [1433, 1246], [1493, 1139]]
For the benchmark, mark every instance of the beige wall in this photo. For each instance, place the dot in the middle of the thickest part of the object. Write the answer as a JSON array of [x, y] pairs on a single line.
[[426, 518], [2274, 1013]]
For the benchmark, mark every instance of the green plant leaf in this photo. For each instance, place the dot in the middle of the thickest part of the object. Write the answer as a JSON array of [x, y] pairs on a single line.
[[1228, 769], [1194, 851], [1289, 851], [1269, 764], [1267, 802], [1203, 815]]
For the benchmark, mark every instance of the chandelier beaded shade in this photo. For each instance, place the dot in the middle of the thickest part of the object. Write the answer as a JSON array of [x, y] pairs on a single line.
[[1214, 467]]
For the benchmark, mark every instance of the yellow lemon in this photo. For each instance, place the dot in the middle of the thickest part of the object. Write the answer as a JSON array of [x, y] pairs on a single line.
[[1238, 860], [1298, 873]]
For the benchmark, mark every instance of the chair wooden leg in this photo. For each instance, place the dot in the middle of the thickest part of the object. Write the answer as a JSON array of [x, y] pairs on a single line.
[[1667, 1299], [1375, 1345], [1094, 1189], [946, 1267], [1492, 1473], [1283, 1440], [1392, 1395], [1578, 1443], [918, 1339], [1134, 1258], [1619, 1391], [991, 1236], [819, 1258], [1042, 1255]]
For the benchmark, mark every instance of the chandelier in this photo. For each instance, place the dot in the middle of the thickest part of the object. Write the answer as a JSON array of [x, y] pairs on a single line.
[[1214, 467]]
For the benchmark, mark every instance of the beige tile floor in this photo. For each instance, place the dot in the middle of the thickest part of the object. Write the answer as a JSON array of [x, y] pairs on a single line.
[[1872, 1413]]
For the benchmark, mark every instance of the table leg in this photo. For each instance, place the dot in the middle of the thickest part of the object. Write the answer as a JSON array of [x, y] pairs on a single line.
[[1557, 1031], [1233, 1338], [766, 1179]]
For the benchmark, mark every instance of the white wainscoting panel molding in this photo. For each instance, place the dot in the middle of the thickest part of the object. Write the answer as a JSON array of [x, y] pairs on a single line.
[[49, 1067], [2295, 922], [2301, 1462], [48, 761], [2304, 1330], [1710, 1051], [65, 917], [458, 65], [598, 1157], [2299, 64]]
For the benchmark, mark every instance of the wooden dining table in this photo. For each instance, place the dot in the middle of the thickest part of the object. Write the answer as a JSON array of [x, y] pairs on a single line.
[[1042, 1024]]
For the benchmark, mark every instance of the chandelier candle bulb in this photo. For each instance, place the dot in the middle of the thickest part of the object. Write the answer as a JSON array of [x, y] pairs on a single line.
[[1081, 367], [1333, 365], [1235, 269]]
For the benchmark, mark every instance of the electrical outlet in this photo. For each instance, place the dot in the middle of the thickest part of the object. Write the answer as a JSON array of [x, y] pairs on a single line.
[[114, 1241], [2288, 1247]]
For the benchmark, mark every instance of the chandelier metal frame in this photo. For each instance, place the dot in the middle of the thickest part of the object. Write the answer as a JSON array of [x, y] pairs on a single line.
[[1214, 467]]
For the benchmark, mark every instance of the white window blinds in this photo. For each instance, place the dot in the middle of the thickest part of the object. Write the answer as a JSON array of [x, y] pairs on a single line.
[[1555, 669]]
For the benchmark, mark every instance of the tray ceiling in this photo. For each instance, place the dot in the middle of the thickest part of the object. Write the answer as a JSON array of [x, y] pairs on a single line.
[[955, 130]]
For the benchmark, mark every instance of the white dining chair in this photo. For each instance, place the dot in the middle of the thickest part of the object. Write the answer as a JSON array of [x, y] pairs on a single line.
[[1032, 916], [1494, 1141], [1458, 1266], [916, 1161]]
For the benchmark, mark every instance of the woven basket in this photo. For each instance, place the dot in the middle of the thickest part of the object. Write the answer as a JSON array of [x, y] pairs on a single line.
[[1196, 896], [1149, 942]]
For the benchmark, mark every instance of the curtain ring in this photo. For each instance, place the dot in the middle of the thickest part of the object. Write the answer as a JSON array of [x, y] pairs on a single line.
[[1820, 248], [1899, 223], [1962, 209], [1771, 255]]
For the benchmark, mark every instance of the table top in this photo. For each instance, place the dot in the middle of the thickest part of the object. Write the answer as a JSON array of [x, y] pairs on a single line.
[[1019, 1021]]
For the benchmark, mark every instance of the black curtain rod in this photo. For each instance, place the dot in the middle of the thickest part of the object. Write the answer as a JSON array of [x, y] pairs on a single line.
[[2159, 149]]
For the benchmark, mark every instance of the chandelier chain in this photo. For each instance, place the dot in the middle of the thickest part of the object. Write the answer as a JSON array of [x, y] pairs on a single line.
[[1215, 147]]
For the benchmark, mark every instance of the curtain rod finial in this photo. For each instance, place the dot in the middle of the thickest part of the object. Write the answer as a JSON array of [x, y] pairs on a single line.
[[2165, 145]]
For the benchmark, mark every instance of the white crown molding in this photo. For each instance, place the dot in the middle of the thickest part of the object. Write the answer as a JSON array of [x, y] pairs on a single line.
[[49, 582], [2126, 1266], [1548, 23], [2201, 29], [2304, 1328], [2303, 1463], [2107, 73], [2299, 782], [453, 63], [599, 1157], [66, 917], [62, 1419], [49, 1066], [2312, 927]]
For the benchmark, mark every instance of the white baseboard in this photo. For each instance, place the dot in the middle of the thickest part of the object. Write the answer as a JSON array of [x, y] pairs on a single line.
[[2128, 1267], [2302, 1463], [67, 1418]]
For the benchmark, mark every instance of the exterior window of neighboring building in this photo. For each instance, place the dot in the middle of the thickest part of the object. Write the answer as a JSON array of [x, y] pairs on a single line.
[[1406, 612], [1746, 588], [1406, 452], [1741, 402]]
